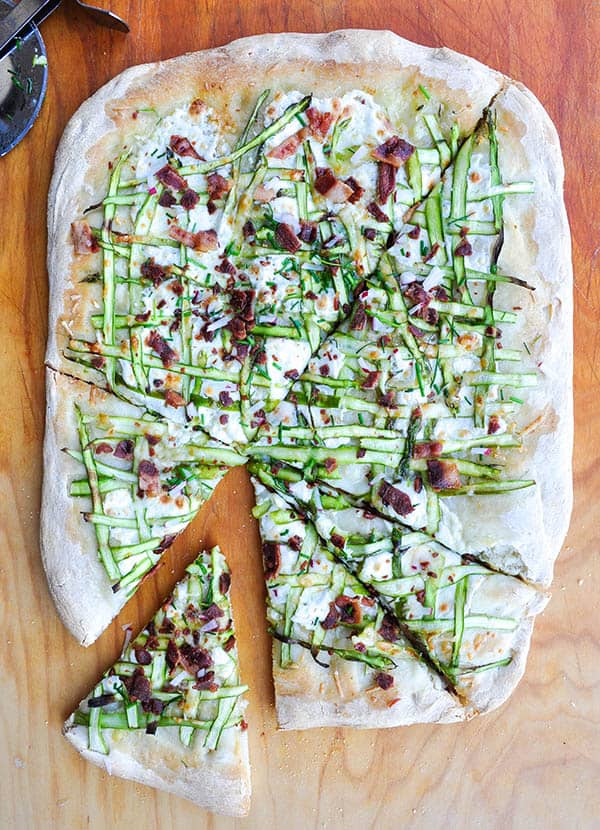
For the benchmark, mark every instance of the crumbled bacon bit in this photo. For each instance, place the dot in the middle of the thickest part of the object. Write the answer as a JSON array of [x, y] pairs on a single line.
[[103, 449], [229, 644], [248, 230], [174, 399], [124, 449], [415, 233], [271, 558], [143, 657], [418, 484], [200, 241], [432, 252], [171, 178], [217, 185], [286, 238], [371, 381], [166, 199], [194, 658], [329, 186], [355, 187], [332, 618], [493, 425], [318, 123], [395, 151], [369, 233], [155, 707], [225, 398], [415, 292], [427, 449], [213, 612], [288, 146], [183, 147], [350, 610], [376, 212], [226, 267], [263, 194], [207, 682], [242, 302], [359, 318], [172, 654], [237, 327], [337, 541], [167, 355], [189, 200], [389, 629], [396, 499], [387, 399], [464, 248], [148, 478], [295, 542], [98, 362], [330, 464], [386, 182], [384, 681], [83, 238], [138, 686], [443, 475], [224, 582], [308, 231]]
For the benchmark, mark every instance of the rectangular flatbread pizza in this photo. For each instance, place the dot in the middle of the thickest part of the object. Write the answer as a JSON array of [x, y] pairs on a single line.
[[342, 260]]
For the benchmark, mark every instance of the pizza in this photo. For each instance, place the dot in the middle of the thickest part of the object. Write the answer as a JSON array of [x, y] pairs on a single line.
[[343, 261], [169, 712]]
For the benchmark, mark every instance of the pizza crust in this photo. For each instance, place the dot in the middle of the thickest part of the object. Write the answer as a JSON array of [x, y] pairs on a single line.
[[309, 695], [78, 582], [522, 533], [218, 781]]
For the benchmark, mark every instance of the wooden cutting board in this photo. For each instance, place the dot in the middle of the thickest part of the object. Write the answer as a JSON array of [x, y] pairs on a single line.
[[535, 763]]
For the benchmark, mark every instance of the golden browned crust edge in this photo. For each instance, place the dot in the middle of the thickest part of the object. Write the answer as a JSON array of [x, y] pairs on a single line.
[[219, 784]]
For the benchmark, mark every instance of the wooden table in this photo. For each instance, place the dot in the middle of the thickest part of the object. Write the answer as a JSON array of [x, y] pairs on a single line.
[[533, 764]]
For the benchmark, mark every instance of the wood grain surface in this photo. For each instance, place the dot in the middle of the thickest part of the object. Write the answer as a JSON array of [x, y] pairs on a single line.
[[535, 763]]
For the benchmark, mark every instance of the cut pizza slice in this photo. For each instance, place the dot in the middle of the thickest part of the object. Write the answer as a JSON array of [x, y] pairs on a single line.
[[412, 403], [170, 712], [222, 270], [474, 623], [338, 657], [124, 483]]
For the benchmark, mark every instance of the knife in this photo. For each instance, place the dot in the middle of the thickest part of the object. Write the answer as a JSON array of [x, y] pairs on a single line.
[[14, 24], [27, 12]]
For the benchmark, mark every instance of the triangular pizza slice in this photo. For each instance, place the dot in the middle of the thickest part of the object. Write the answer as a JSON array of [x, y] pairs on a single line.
[[338, 657], [473, 623], [170, 712], [123, 483]]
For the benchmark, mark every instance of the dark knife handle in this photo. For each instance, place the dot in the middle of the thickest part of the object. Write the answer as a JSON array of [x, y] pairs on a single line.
[[25, 12]]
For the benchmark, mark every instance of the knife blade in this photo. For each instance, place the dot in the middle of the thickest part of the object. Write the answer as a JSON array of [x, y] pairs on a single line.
[[16, 21]]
